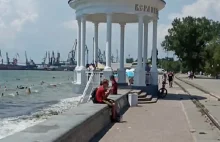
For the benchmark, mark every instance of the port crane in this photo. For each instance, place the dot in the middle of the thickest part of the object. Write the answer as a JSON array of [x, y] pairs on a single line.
[[7, 59], [1, 56], [30, 63], [58, 59], [101, 56], [44, 59], [72, 53], [112, 58], [49, 62], [117, 59], [15, 59]]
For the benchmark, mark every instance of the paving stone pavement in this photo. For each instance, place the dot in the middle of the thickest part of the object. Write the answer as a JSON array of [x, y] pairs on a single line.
[[211, 85], [164, 121], [202, 128]]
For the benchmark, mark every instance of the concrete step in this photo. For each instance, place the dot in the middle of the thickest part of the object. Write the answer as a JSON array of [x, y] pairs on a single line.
[[136, 91], [147, 98], [142, 95], [153, 100]]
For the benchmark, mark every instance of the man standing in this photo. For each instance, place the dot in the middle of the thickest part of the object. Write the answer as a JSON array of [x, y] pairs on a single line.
[[170, 79]]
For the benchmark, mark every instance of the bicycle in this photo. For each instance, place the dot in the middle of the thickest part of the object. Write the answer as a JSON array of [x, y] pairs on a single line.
[[162, 92]]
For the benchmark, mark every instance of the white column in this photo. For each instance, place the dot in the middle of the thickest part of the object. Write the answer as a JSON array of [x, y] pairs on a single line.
[[83, 41], [139, 79], [96, 43], [154, 72], [78, 50], [145, 44], [108, 42], [140, 41], [121, 71], [80, 72], [122, 38]]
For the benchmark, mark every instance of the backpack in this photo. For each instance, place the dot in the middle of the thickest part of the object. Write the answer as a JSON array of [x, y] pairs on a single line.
[[93, 95]]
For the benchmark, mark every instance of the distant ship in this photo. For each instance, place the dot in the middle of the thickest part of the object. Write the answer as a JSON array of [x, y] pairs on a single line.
[[16, 67], [14, 64]]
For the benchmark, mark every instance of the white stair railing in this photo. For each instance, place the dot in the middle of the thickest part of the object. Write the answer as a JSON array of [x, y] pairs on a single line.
[[93, 82], [87, 90], [96, 82], [74, 76]]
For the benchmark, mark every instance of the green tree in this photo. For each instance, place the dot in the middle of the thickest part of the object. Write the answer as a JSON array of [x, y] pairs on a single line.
[[169, 64], [188, 38], [213, 57], [129, 60]]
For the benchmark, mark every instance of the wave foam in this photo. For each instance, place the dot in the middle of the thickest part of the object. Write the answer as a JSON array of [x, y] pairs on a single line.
[[9, 126]]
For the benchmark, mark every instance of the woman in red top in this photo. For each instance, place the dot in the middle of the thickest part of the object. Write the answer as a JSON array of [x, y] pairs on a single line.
[[114, 85]]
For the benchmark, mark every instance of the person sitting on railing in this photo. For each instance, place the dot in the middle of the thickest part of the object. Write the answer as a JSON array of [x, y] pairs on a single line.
[[102, 94], [94, 67], [87, 67], [114, 85], [131, 80]]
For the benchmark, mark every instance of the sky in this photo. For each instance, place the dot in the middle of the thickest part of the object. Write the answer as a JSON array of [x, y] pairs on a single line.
[[37, 26]]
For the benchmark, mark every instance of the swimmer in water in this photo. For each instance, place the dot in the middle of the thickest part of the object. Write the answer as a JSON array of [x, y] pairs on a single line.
[[2, 94], [29, 91], [5, 89], [42, 82], [20, 87], [17, 93]]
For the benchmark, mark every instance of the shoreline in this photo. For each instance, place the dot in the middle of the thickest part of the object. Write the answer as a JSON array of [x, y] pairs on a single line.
[[11, 125], [53, 97]]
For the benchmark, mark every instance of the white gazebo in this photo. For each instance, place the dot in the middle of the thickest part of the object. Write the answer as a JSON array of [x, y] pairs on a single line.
[[120, 12]]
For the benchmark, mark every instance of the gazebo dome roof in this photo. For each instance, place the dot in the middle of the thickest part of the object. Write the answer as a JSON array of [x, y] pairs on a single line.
[[123, 11]]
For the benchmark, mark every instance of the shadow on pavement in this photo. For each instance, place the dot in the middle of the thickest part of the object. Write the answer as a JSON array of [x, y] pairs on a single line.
[[211, 78], [99, 136], [198, 77], [182, 97]]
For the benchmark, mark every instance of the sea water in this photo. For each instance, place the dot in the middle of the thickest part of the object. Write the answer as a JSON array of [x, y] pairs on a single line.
[[51, 94]]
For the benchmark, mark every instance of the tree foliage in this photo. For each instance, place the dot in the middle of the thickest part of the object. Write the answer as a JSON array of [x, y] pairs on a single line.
[[169, 64], [189, 38], [129, 60], [213, 57]]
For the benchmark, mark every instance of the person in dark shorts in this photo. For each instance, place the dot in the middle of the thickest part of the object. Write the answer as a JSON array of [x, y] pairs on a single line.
[[170, 79], [114, 85], [102, 94]]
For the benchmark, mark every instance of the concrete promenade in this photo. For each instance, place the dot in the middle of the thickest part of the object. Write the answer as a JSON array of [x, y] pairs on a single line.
[[210, 103], [211, 85], [164, 121]]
